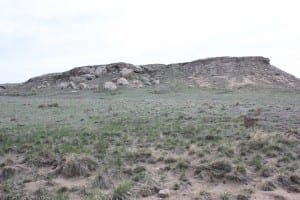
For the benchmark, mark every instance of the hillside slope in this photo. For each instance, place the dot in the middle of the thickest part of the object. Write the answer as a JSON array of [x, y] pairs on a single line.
[[219, 72]]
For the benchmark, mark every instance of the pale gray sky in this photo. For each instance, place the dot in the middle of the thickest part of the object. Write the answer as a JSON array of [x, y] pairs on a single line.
[[42, 36]]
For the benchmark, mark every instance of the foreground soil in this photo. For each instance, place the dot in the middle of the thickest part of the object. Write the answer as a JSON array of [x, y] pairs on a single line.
[[179, 143]]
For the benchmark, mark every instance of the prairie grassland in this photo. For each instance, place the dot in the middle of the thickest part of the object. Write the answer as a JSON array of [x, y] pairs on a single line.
[[134, 143]]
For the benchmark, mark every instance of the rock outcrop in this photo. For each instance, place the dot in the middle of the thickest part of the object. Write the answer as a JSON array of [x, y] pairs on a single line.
[[220, 72]]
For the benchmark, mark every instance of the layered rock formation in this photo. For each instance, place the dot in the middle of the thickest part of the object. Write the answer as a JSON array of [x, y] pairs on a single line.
[[220, 72]]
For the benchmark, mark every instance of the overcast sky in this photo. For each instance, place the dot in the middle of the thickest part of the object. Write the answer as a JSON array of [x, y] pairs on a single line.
[[43, 36]]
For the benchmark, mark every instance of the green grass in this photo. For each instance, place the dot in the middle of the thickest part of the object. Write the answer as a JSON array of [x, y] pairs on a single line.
[[122, 191], [138, 127]]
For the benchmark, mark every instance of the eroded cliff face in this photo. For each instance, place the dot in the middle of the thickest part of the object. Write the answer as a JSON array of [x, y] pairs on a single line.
[[220, 72], [240, 72]]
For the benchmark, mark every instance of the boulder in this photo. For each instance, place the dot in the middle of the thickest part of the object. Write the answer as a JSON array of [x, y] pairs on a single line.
[[92, 86], [110, 86], [72, 85], [46, 83], [89, 77], [137, 69], [125, 72], [122, 81], [77, 79], [41, 86], [146, 80], [100, 70], [87, 70], [156, 82], [137, 84], [63, 85], [82, 86], [153, 67]]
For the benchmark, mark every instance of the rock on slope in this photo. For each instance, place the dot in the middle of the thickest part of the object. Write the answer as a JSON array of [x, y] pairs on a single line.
[[220, 72]]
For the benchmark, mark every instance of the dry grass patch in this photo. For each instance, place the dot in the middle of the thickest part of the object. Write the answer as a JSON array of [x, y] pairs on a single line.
[[220, 168], [260, 139], [75, 165]]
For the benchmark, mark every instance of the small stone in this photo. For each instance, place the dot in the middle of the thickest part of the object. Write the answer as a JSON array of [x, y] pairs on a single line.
[[165, 193]]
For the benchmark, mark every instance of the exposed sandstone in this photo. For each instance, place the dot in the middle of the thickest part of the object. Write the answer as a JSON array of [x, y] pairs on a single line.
[[220, 72]]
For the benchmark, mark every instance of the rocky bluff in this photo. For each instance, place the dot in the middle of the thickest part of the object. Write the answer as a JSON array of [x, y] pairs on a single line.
[[219, 72]]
